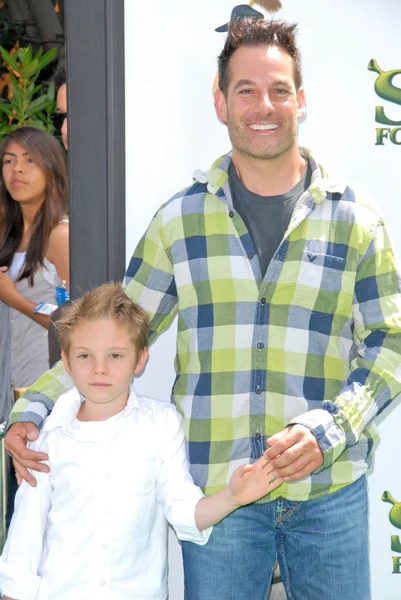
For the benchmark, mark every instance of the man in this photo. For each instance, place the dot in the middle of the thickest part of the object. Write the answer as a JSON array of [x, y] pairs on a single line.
[[59, 118], [289, 333]]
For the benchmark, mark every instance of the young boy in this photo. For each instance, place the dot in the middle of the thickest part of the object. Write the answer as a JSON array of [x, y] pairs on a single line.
[[95, 526]]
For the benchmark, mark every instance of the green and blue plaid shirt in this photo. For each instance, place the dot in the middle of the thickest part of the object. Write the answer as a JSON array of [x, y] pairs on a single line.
[[317, 341]]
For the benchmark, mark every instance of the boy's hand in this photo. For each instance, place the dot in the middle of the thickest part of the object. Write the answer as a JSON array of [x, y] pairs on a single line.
[[16, 440], [251, 482]]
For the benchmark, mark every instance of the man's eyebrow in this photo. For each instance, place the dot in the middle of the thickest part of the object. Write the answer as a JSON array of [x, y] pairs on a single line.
[[252, 82], [282, 82], [242, 82]]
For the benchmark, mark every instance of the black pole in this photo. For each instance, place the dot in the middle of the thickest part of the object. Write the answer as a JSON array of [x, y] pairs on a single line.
[[94, 32]]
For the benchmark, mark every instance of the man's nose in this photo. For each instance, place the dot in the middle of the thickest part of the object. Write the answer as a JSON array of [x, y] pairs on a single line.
[[266, 102]]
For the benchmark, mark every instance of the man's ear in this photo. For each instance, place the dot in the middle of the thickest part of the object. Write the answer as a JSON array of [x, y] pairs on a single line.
[[221, 106], [301, 108], [65, 361], [143, 357]]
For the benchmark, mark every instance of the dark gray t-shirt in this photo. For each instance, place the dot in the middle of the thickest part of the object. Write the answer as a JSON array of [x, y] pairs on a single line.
[[266, 217]]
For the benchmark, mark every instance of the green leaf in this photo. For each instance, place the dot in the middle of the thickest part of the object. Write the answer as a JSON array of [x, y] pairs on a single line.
[[47, 58], [51, 92], [26, 56], [31, 70], [51, 108], [18, 101], [31, 104], [38, 53], [14, 83], [36, 123], [37, 105], [7, 110], [8, 59], [5, 128], [31, 90]]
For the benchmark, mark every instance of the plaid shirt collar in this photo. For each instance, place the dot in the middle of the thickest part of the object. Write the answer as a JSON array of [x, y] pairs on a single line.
[[217, 178]]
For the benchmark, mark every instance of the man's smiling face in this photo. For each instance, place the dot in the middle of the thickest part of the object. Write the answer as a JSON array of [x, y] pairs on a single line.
[[262, 106]]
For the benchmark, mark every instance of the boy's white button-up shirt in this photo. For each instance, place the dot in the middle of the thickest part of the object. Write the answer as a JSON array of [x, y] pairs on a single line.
[[95, 526]]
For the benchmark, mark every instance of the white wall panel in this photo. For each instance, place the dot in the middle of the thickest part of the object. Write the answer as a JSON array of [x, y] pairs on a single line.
[[171, 129]]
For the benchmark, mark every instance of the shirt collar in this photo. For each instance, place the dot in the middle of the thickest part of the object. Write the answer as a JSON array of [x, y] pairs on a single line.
[[321, 182], [67, 406]]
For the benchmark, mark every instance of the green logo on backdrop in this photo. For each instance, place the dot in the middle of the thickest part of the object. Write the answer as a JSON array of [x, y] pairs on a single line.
[[395, 519], [385, 89]]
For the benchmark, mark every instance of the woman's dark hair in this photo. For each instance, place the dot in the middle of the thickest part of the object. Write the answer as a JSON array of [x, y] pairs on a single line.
[[51, 159]]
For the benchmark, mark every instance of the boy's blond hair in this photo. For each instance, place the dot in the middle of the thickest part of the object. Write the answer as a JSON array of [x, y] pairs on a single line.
[[107, 301]]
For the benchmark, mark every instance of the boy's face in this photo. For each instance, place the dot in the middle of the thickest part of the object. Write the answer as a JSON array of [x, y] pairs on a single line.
[[102, 361]]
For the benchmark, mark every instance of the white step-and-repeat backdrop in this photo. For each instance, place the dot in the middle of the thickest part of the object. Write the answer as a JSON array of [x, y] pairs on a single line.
[[352, 75]]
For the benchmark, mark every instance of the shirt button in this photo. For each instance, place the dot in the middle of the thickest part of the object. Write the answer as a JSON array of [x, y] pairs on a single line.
[[102, 583], [260, 345], [250, 255], [258, 389], [263, 301], [257, 435], [105, 546], [107, 475], [231, 214]]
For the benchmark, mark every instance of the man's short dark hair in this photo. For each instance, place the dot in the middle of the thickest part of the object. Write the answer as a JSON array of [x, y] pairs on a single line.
[[60, 76], [258, 32]]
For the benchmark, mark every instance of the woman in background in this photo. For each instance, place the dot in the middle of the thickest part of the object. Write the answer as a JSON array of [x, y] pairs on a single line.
[[33, 252]]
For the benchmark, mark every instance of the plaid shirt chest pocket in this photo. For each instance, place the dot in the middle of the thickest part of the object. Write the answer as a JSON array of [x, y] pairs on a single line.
[[325, 283]]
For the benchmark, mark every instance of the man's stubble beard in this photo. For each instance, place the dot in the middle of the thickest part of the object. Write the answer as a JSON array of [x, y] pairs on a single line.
[[243, 146]]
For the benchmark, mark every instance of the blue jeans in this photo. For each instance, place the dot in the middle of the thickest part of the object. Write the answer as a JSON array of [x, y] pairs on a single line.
[[321, 546]]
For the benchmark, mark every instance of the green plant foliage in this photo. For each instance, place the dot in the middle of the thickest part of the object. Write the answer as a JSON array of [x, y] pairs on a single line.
[[30, 103]]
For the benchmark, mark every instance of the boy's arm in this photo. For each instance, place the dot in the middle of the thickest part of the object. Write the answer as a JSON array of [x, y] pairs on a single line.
[[185, 507], [176, 491], [248, 483], [23, 550]]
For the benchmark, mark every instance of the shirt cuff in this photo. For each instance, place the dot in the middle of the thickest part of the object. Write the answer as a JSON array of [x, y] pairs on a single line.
[[183, 521], [15, 583], [330, 437]]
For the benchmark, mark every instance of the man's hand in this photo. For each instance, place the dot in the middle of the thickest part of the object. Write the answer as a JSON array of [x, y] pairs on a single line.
[[16, 440], [294, 452]]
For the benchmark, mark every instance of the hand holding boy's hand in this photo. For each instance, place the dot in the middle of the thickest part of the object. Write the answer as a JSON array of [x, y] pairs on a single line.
[[16, 440], [251, 482], [295, 452]]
